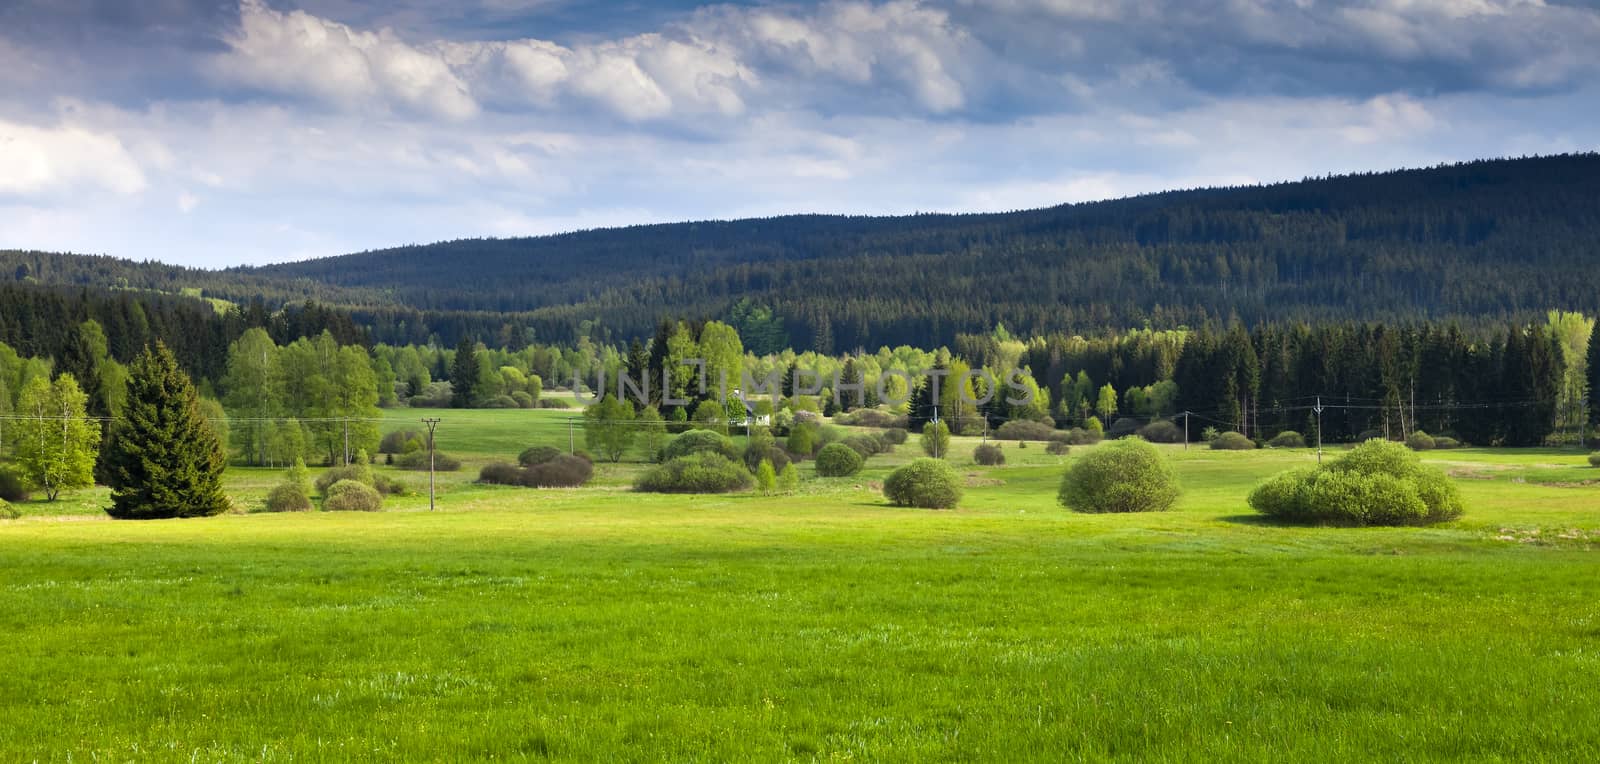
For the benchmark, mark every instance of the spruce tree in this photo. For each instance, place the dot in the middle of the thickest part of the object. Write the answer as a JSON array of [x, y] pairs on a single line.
[[1594, 378], [165, 461], [464, 375]]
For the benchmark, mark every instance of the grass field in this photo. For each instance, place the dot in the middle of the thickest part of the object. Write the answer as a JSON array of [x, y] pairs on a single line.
[[602, 624]]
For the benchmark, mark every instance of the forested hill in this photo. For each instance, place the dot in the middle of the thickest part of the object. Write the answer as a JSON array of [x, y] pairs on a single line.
[[1479, 241]]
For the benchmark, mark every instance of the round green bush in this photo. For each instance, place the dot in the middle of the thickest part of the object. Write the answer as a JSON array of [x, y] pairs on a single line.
[[1442, 442], [1161, 431], [418, 460], [704, 472], [700, 441], [1594, 459], [8, 512], [1127, 475], [13, 487], [838, 460], [1057, 448], [360, 473], [500, 473], [537, 455], [1377, 483], [288, 497], [351, 496], [1287, 439], [896, 436], [1420, 441], [1232, 441], [1122, 427], [936, 439], [564, 471], [1024, 429], [989, 455], [395, 442], [924, 482]]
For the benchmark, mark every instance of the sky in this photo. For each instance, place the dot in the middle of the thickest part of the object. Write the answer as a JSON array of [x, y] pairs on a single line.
[[217, 133]]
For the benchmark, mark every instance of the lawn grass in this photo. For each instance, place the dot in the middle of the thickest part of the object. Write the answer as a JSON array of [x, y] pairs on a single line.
[[601, 624]]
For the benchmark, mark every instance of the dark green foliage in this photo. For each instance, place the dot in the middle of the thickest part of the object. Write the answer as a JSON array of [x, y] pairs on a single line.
[[838, 460], [361, 473], [872, 418], [1127, 475], [762, 449], [564, 471], [1232, 441], [352, 496], [13, 487], [537, 455], [464, 374], [288, 497], [702, 472], [164, 460], [1377, 483], [700, 441], [1287, 439], [895, 436], [1420, 441], [988, 455], [1594, 459], [396, 442], [1161, 431], [418, 461], [924, 482], [868, 445], [1123, 427], [500, 473], [1025, 429], [1057, 448]]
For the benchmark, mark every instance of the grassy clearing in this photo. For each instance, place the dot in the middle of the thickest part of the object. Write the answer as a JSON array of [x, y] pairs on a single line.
[[597, 623]]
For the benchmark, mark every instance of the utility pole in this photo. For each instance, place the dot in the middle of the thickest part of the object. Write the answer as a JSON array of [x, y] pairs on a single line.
[[1186, 431], [431, 423], [347, 441], [1318, 408], [572, 438]]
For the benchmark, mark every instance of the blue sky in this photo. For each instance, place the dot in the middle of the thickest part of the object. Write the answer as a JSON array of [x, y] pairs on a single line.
[[215, 133]]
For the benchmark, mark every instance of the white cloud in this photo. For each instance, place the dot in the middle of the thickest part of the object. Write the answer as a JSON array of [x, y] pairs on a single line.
[[64, 159]]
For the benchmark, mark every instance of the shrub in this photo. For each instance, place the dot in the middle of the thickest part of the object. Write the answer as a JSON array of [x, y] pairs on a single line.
[[1232, 441], [1377, 483], [1442, 441], [756, 453], [418, 460], [1057, 448], [1125, 476], [564, 471], [553, 403], [360, 473], [788, 478], [988, 455], [935, 439], [1287, 439], [523, 398], [13, 487], [872, 418], [1367, 435], [838, 460], [8, 512], [1161, 431], [703, 472], [766, 477], [1024, 429], [1094, 431], [500, 473], [1078, 436], [1420, 441], [395, 442], [867, 445], [1122, 428], [537, 455], [352, 496], [700, 441], [896, 436], [1594, 459], [289, 497], [802, 441], [925, 482]]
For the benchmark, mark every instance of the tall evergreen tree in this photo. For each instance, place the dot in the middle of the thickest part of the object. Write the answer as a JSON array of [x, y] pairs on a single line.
[[464, 374], [1594, 378], [165, 461]]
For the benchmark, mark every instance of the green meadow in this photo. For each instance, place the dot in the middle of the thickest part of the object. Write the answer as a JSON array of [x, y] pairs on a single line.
[[597, 623]]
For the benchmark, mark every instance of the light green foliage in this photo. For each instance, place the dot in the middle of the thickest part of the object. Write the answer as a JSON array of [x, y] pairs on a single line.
[[352, 496], [703, 472], [1420, 441], [838, 460], [1094, 429], [925, 482], [1127, 475], [1287, 439], [56, 445], [766, 477], [802, 440], [1377, 483], [789, 478], [698, 441], [253, 393], [990, 454], [1232, 441], [936, 439], [1106, 402], [608, 427]]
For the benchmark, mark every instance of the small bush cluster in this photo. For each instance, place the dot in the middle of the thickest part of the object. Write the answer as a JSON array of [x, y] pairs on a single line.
[[1443, 442], [401, 441], [872, 418], [1161, 431], [1287, 439], [700, 441], [418, 460], [352, 496], [1125, 476], [1025, 429], [361, 472], [1057, 448], [537, 455], [1420, 441], [13, 487], [869, 445], [552, 403], [1232, 441], [895, 436], [289, 497], [561, 471], [1079, 436], [702, 472], [838, 460], [988, 455], [925, 482], [1377, 483]]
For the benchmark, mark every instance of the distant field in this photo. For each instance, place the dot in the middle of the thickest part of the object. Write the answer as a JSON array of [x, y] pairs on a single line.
[[602, 624]]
